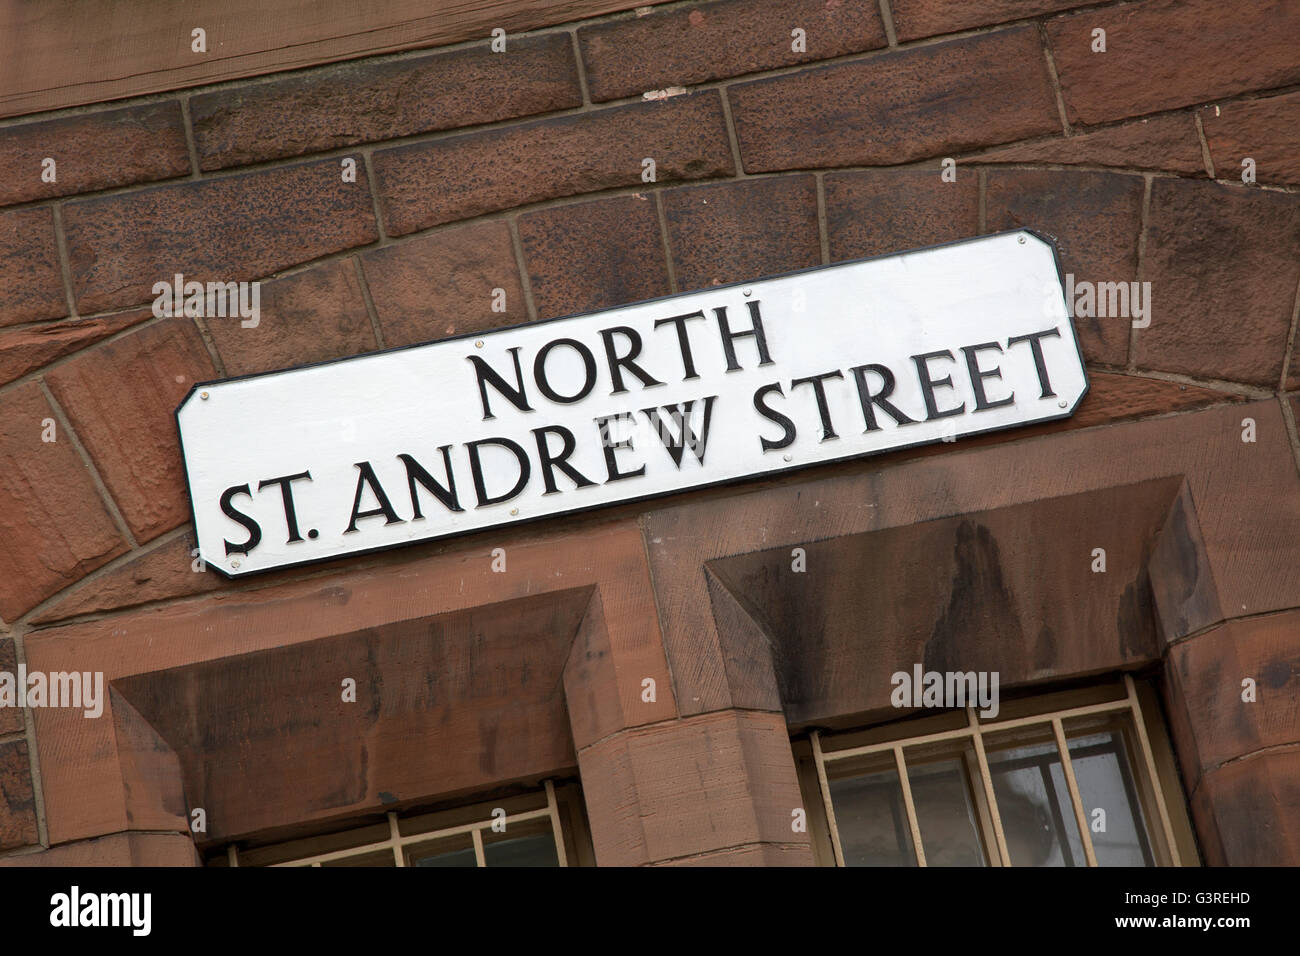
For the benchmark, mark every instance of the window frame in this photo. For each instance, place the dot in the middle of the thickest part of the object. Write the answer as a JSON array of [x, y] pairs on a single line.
[[1150, 757], [562, 808]]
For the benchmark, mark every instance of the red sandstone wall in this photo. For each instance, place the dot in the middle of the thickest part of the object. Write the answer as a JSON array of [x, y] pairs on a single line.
[[523, 171]]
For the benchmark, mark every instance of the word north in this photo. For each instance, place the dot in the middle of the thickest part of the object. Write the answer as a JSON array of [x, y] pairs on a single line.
[[215, 300], [75, 908], [946, 689], [76, 689]]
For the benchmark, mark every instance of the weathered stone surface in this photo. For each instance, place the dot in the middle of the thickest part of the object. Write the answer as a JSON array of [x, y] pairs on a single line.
[[17, 799], [644, 809], [879, 212], [758, 854], [1210, 670], [1114, 398], [923, 18], [444, 284], [311, 316], [1265, 130], [425, 184], [25, 350], [325, 622], [600, 704], [480, 688], [978, 592], [1223, 270], [31, 286], [1248, 812], [684, 46], [347, 103], [11, 718], [55, 526], [164, 571], [931, 100], [593, 255], [1182, 587], [732, 232], [1166, 142], [1237, 46], [92, 151], [117, 850], [231, 229], [121, 398]]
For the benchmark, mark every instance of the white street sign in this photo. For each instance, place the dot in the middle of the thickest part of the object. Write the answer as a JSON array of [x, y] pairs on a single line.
[[642, 400]]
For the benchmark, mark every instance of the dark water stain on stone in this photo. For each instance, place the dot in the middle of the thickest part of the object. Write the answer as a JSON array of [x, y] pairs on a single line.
[[1135, 621], [977, 599], [1276, 674], [353, 783], [487, 759], [1045, 656], [1184, 567]]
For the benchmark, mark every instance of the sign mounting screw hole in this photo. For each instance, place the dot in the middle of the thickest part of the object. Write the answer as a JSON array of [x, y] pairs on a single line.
[[1021, 240], [235, 563], [203, 395]]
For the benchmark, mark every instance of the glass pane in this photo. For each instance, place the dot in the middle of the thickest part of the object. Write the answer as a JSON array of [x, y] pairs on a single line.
[[453, 851], [536, 850], [872, 820], [1034, 804], [1106, 783], [945, 813], [530, 843]]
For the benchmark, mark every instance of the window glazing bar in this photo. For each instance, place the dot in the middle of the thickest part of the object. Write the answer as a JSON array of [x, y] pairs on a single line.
[[825, 788], [395, 838], [1085, 834], [1149, 758], [557, 831], [907, 803], [986, 780], [962, 732]]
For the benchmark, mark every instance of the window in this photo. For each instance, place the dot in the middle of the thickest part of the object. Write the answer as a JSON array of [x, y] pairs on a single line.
[[539, 828], [1078, 778]]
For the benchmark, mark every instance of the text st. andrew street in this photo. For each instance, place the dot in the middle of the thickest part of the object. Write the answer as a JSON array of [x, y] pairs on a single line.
[[782, 406]]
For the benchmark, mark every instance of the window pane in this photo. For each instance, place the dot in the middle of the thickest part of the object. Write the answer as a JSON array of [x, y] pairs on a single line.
[[1105, 781], [872, 820], [1034, 804], [945, 813], [452, 851], [535, 850], [530, 843]]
